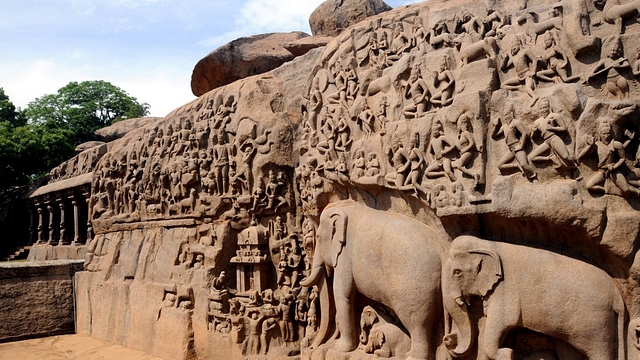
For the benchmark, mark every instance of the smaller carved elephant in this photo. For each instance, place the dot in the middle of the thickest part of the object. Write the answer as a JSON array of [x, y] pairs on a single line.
[[380, 337]]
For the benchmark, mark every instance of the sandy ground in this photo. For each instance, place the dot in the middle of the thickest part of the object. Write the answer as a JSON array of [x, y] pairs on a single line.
[[69, 347]]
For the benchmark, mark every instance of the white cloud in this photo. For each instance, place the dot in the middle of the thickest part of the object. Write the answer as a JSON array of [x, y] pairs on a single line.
[[164, 85], [266, 16]]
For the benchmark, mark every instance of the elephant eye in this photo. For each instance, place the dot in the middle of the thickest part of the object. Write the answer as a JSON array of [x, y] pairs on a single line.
[[457, 272]]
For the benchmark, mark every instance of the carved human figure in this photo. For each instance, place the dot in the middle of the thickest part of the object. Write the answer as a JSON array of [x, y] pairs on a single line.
[[315, 104], [616, 85], [343, 132], [524, 63], [439, 147], [556, 61], [381, 116], [222, 152], [399, 160], [466, 146], [352, 84], [419, 35], [366, 119], [340, 81], [400, 42], [287, 310], [516, 136], [359, 164], [445, 85], [373, 165], [611, 156], [549, 125], [417, 161], [327, 144], [272, 191], [472, 26], [254, 319], [418, 91], [267, 326]]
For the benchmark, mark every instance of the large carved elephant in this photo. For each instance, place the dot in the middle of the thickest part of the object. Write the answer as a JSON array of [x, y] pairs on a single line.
[[387, 257], [523, 287]]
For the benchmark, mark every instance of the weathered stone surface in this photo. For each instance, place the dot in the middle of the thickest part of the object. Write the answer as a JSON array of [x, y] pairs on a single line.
[[332, 17], [88, 145], [37, 299], [240, 58], [302, 46], [121, 128], [451, 179]]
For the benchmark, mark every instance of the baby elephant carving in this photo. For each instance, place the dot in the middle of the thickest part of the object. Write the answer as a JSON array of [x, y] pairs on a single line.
[[381, 338]]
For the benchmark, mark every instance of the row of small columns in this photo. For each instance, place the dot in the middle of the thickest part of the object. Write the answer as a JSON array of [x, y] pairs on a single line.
[[50, 205]]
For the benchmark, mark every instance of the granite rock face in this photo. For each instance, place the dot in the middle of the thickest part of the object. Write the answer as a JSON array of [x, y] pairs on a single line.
[[121, 128], [451, 179], [332, 17], [240, 58]]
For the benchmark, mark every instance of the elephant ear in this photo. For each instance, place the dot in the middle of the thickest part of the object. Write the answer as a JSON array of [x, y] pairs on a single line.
[[338, 235], [489, 271]]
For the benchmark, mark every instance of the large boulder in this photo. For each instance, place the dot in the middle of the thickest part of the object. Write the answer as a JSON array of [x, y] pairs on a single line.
[[240, 58], [121, 128], [302, 46], [333, 16]]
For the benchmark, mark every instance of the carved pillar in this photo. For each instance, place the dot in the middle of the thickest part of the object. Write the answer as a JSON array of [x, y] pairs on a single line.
[[50, 208], [40, 224], [30, 235], [63, 230], [76, 221], [87, 197]]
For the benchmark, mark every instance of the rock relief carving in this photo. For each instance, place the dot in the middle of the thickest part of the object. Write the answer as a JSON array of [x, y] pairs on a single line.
[[436, 112]]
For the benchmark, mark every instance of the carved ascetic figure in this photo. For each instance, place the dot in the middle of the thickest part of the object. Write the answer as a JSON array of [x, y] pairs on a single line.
[[356, 248], [517, 287]]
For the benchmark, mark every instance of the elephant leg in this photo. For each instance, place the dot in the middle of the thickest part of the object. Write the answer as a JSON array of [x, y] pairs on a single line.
[[419, 324], [493, 335], [344, 293]]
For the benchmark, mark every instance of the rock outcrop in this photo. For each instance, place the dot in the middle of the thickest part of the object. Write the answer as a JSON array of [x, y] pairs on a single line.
[[240, 58], [333, 16], [121, 128]]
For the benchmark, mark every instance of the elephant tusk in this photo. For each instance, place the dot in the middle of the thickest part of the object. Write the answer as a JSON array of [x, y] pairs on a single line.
[[459, 301]]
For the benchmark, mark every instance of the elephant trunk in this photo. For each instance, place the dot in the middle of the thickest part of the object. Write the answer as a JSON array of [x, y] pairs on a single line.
[[459, 335], [327, 312], [315, 276]]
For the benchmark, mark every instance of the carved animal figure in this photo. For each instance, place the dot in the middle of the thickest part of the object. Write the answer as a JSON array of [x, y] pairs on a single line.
[[523, 287], [188, 203], [360, 249], [477, 50], [380, 337]]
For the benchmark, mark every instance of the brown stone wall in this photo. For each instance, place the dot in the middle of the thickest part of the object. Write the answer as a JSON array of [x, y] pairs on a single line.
[[37, 299]]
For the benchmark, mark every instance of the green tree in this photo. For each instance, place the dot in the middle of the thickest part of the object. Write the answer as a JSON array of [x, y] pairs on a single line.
[[83, 108]]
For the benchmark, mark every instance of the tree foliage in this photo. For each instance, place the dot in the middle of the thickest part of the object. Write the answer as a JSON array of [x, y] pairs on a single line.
[[45, 134], [85, 107]]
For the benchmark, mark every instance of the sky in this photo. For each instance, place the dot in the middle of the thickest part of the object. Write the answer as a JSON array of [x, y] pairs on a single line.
[[148, 48]]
